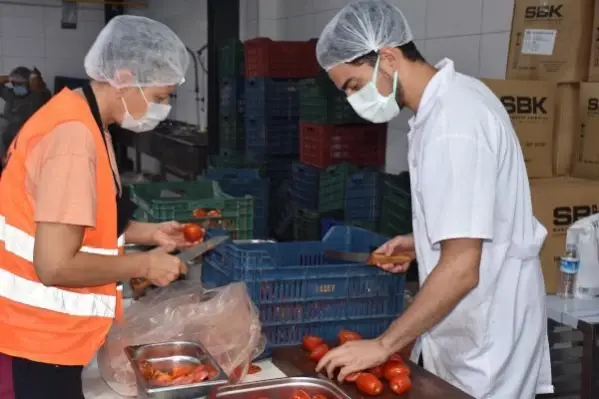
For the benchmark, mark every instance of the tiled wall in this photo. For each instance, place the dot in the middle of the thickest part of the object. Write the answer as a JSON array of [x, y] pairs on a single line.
[[31, 35], [474, 33]]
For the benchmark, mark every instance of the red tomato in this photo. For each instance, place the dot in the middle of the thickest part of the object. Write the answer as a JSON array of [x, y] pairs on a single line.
[[199, 213], [193, 232], [393, 368], [368, 384], [319, 396], [253, 369], [396, 357], [346, 336], [400, 384], [377, 371], [300, 394], [352, 377], [310, 342], [319, 352]]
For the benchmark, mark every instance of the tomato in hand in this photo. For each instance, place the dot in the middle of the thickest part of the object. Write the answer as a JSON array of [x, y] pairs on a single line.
[[193, 232], [352, 377], [319, 352], [396, 357], [377, 371], [400, 384], [393, 368], [368, 384], [346, 336], [310, 342], [319, 396], [300, 394]]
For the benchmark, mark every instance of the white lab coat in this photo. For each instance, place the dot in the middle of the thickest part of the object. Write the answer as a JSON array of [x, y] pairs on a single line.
[[469, 181]]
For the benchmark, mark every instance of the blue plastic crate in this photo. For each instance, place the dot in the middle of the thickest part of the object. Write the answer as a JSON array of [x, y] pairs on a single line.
[[327, 223], [232, 96], [299, 291], [363, 196], [278, 170], [305, 185], [257, 187], [267, 98], [271, 136]]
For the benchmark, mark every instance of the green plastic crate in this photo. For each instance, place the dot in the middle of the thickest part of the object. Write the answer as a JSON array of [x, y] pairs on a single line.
[[322, 102], [396, 206], [231, 60], [232, 133], [163, 201], [306, 225], [331, 192]]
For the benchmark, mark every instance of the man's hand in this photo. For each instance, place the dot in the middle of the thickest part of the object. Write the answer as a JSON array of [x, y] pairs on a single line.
[[353, 356], [399, 245], [167, 234]]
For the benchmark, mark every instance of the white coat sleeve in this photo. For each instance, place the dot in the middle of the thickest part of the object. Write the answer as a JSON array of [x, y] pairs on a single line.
[[457, 185]]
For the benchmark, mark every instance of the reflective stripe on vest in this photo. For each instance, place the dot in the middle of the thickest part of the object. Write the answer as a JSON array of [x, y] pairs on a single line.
[[34, 293]]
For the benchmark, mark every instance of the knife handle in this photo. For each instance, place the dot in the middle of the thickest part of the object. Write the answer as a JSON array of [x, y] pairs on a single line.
[[139, 287], [380, 259]]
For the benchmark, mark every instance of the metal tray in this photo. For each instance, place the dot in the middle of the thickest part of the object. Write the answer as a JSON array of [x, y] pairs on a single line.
[[166, 355], [280, 388]]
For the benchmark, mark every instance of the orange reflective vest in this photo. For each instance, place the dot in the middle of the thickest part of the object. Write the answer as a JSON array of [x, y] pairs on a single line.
[[56, 325]]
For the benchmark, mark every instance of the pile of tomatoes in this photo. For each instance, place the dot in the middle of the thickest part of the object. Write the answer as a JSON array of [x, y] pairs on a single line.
[[368, 382]]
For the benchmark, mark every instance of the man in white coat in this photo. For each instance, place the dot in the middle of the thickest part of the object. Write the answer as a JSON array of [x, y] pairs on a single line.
[[480, 313]]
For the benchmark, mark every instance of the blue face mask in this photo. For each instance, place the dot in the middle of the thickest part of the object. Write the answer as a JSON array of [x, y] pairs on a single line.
[[20, 91]]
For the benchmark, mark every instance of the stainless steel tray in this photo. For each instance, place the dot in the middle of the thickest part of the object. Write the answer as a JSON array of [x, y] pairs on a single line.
[[166, 355], [280, 388]]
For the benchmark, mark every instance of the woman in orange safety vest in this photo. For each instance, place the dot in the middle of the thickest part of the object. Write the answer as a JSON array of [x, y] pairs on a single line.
[[64, 216]]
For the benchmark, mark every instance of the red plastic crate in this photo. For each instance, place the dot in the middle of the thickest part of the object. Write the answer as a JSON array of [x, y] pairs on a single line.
[[326, 145], [268, 58]]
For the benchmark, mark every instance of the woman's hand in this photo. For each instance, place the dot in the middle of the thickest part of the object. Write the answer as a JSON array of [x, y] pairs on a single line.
[[169, 234]]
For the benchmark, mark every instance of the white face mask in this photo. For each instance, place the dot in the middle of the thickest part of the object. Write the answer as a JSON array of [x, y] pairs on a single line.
[[372, 105], [155, 114]]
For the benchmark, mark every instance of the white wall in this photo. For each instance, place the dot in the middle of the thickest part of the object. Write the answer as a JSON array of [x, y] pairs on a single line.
[[188, 19], [474, 33], [31, 35]]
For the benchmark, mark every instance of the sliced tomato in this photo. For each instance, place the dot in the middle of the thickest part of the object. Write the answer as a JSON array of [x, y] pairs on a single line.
[[199, 213], [400, 384], [319, 396], [300, 394], [393, 368], [319, 352], [310, 342], [368, 384], [346, 336], [253, 369]]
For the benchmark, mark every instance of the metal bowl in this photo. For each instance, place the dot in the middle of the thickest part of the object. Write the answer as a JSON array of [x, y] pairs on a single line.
[[280, 388], [168, 355]]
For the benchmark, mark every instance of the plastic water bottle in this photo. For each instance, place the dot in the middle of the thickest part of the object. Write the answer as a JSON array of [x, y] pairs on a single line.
[[569, 266]]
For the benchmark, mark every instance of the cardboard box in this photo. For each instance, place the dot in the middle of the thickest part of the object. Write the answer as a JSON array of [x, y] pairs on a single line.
[[550, 40], [594, 64], [586, 146], [532, 107], [567, 127], [557, 203]]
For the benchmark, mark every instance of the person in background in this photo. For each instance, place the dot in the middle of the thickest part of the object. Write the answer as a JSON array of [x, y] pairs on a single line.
[[480, 312], [23, 92], [65, 217]]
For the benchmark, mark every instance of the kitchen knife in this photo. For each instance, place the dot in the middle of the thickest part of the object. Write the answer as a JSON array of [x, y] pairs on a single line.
[[369, 258], [187, 256]]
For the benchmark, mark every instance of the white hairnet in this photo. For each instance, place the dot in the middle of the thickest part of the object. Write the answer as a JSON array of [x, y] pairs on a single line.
[[359, 28], [148, 50]]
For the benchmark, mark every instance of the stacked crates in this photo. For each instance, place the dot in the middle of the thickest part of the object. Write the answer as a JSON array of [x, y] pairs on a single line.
[[232, 103], [335, 145]]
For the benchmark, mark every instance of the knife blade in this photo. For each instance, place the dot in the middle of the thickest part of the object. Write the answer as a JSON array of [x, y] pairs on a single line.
[[191, 254], [139, 285], [369, 258]]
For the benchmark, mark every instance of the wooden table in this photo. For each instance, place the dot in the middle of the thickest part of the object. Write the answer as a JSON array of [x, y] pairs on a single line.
[[294, 363]]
